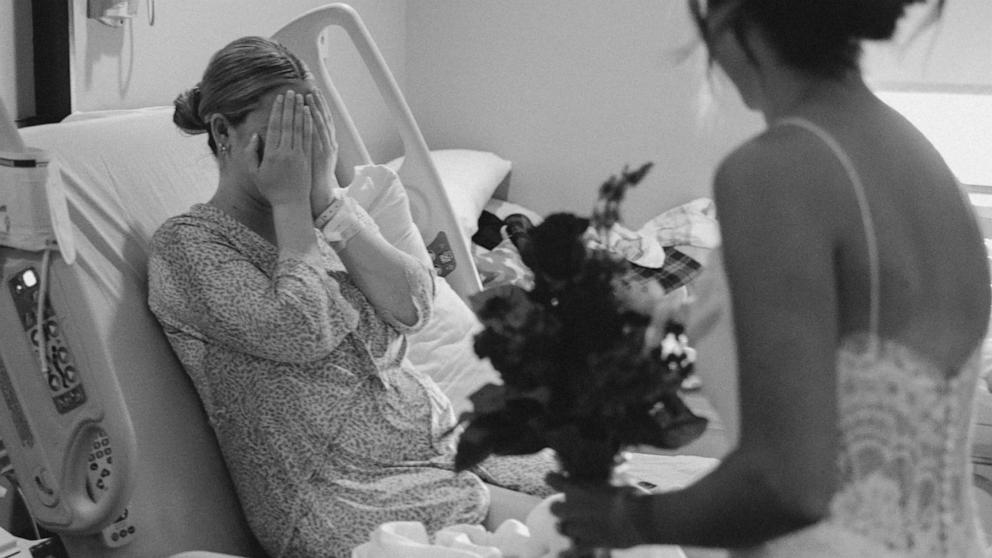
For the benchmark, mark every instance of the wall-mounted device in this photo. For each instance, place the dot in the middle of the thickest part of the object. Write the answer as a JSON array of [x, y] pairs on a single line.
[[112, 12]]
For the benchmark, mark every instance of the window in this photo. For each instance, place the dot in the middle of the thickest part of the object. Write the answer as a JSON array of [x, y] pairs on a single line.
[[960, 126]]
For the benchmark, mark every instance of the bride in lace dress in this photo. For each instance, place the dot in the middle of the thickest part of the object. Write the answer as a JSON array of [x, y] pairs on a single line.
[[860, 295]]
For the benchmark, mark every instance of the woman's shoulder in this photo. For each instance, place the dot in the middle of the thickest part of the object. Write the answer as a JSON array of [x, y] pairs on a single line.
[[198, 219], [782, 163], [179, 231], [780, 148]]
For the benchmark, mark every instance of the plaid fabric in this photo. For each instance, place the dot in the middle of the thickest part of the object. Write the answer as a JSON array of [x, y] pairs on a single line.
[[678, 270], [505, 266]]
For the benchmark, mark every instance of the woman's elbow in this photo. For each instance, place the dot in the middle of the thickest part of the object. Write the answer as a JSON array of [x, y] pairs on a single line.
[[407, 318], [305, 346], [801, 498], [791, 493], [413, 312], [312, 337]]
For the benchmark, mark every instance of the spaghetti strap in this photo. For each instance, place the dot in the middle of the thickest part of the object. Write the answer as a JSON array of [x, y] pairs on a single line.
[[866, 220]]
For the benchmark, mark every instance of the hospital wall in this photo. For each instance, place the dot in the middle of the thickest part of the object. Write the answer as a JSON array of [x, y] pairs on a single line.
[[146, 64], [571, 90]]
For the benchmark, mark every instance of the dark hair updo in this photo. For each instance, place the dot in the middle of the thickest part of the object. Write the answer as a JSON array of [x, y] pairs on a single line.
[[822, 37], [236, 77]]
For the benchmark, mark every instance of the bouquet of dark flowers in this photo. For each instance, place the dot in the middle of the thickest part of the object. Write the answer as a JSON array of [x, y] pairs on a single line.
[[586, 367]]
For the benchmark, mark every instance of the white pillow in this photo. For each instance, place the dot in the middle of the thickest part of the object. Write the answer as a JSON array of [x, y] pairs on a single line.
[[469, 177], [443, 348], [377, 189]]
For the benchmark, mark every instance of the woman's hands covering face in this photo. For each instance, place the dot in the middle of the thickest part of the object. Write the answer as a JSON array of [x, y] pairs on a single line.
[[297, 155], [283, 173], [324, 153]]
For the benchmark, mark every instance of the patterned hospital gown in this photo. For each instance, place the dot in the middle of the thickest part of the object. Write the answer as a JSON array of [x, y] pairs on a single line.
[[326, 429]]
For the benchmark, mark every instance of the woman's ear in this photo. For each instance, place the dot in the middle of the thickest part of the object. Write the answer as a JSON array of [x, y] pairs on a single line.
[[220, 129]]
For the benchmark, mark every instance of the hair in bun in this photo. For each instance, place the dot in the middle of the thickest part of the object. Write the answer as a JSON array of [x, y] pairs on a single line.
[[877, 19], [236, 78], [187, 112], [822, 36]]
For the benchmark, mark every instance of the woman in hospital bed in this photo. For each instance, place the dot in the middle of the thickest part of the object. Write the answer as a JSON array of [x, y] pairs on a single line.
[[294, 337]]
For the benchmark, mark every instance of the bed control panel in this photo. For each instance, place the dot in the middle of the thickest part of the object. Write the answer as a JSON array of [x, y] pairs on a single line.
[[101, 465], [71, 440], [100, 473], [60, 372], [120, 532]]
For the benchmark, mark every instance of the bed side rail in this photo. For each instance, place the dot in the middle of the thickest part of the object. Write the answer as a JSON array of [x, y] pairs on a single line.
[[429, 204]]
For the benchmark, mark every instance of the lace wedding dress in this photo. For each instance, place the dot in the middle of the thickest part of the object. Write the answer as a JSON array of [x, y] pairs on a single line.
[[903, 463]]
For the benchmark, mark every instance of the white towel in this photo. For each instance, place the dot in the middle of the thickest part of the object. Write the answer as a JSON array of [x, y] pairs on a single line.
[[690, 224], [409, 539], [641, 249], [539, 537]]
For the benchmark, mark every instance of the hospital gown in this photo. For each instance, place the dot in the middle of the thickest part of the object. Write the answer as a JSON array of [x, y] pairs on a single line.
[[325, 427]]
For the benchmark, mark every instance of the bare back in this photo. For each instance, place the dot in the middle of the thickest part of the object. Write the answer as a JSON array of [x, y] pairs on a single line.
[[933, 292]]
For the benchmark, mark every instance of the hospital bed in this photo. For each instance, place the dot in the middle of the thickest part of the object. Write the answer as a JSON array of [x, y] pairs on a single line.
[[111, 448]]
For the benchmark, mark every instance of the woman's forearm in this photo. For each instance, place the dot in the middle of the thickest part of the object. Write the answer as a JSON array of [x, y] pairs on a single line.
[[393, 281], [294, 230], [737, 505]]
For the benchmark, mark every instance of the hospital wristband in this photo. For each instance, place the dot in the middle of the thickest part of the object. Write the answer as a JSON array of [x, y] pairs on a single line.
[[346, 220], [327, 214]]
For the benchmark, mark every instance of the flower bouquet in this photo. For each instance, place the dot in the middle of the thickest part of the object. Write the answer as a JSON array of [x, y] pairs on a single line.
[[590, 364]]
